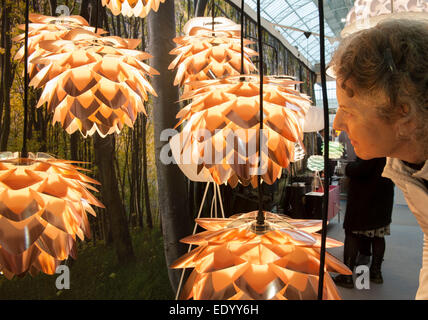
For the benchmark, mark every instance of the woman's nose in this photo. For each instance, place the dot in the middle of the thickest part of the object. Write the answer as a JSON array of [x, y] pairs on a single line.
[[338, 123]]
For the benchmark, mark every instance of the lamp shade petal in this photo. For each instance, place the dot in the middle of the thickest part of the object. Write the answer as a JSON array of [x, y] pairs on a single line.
[[222, 126], [210, 51], [90, 83], [43, 207], [233, 261], [129, 8]]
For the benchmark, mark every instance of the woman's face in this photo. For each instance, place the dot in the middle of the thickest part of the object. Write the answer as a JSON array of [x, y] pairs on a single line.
[[371, 136]]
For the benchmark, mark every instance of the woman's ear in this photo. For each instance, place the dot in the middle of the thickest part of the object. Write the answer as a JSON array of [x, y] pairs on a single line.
[[406, 123], [404, 110]]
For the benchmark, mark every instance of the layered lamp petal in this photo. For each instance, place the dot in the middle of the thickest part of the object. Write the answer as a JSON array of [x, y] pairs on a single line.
[[92, 83], [129, 8], [47, 28], [234, 262], [205, 52], [43, 207]]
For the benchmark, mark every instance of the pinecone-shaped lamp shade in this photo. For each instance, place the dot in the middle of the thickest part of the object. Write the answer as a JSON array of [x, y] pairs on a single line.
[[47, 28], [92, 83], [222, 127], [204, 53], [233, 262], [43, 208], [129, 8]]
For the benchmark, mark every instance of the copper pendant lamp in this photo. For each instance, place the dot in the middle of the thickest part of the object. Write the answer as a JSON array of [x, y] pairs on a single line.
[[43, 208], [227, 109], [210, 51], [92, 83], [138, 8], [47, 28], [233, 261]]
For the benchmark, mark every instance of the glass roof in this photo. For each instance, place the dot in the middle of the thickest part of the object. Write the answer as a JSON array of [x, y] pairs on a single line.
[[303, 15]]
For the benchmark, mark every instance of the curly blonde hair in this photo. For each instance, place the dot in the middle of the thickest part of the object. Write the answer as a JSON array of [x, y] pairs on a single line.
[[391, 58]]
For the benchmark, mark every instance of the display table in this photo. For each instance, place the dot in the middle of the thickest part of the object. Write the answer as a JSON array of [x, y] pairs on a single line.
[[300, 204], [314, 200]]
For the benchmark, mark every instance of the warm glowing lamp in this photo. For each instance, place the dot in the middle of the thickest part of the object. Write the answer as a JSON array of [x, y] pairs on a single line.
[[210, 51], [222, 127], [138, 8], [47, 28], [92, 83], [233, 261], [43, 207]]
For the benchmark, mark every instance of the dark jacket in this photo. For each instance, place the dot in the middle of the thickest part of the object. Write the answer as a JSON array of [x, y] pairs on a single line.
[[370, 196]]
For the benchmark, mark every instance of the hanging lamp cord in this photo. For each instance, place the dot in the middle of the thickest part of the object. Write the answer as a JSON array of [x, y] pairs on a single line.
[[242, 36], [326, 155], [260, 215], [97, 13], [24, 151]]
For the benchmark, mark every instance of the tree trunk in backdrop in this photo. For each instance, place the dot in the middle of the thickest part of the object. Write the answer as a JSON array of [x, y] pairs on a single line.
[[7, 77], [105, 158], [145, 186], [74, 145], [149, 220], [53, 5], [200, 8], [171, 182]]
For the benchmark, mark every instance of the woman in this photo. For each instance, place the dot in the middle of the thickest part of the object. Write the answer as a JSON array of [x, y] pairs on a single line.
[[368, 216], [382, 92]]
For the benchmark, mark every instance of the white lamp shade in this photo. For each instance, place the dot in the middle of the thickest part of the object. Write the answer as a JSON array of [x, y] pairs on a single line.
[[314, 120], [368, 13], [189, 169]]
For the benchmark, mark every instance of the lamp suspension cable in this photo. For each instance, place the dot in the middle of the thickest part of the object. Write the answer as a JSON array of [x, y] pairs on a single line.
[[24, 152], [260, 215], [242, 37], [326, 155], [97, 13]]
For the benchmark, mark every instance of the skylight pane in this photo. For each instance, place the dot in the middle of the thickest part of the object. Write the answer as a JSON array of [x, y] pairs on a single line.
[[290, 19], [307, 9], [301, 14]]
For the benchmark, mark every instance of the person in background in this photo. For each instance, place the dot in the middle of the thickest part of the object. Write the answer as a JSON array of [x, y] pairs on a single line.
[[349, 149], [364, 251], [382, 93], [368, 215]]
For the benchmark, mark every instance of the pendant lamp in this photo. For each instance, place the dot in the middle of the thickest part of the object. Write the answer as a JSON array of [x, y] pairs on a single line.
[[226, 112], [335, 149], [210, 51], [233, 261], [368, 13], [138, 8], [92, 83], [43, 210], [46, 28], [316, 163]]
